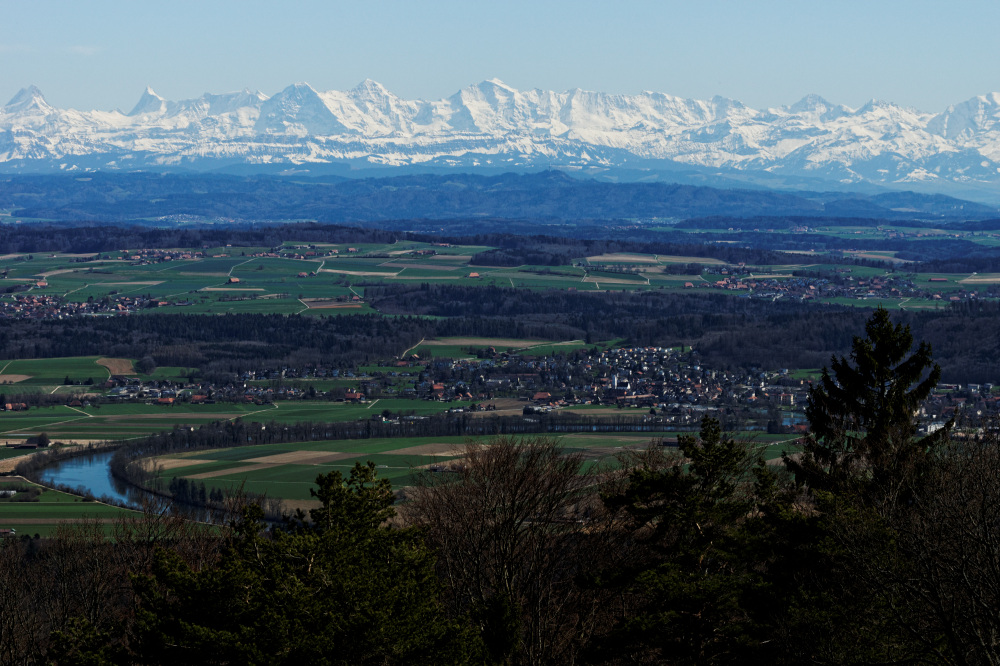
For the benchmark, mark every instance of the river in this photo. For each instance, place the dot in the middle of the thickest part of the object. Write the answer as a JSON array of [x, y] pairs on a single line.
[[92, 473]]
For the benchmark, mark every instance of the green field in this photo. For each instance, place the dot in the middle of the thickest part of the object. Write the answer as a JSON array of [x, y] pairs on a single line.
[[459, 347], [111, 421], [52, 507], [286, 286], [288, 471], [118, 421], [53, 371], [397, 459]]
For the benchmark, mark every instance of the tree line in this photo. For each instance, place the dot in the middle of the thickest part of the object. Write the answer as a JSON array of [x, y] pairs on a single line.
[[731, 333]]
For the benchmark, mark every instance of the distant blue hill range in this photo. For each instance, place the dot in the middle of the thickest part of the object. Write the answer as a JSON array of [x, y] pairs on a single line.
[[548, 196]]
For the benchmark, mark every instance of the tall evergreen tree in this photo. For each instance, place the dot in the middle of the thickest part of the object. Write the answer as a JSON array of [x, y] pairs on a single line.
[[861, 414]]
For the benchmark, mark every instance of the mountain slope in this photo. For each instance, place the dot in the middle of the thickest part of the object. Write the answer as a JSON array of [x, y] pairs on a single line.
[[492, 125]]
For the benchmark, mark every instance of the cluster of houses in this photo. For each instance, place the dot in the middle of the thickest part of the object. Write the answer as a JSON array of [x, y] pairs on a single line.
[[43, 306], [169, 392], [155, 256], [890, 286], [671, 383]]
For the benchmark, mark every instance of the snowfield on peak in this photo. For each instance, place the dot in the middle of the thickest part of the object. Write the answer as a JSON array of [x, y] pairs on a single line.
[[493, 124]]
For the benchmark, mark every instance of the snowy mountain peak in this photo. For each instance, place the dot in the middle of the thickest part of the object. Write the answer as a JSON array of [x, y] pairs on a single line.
[[963, 121], [877, 105], [811, 103], [148, 103], [27, 100], [370, 86], [298, 110], [815, 106], [493, 124]]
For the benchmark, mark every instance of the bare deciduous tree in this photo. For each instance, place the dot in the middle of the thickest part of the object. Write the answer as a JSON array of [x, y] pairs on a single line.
[[516, 527]]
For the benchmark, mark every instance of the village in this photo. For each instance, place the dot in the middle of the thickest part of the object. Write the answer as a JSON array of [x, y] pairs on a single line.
[[668, 386]]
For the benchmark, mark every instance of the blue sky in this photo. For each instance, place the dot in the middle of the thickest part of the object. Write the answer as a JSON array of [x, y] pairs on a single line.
[[100, 54]]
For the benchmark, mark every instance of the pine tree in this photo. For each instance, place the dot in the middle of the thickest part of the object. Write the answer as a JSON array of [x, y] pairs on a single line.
[[861, 414]]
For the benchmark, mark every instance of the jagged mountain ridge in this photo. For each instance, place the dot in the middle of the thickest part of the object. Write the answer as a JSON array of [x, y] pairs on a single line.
[[494, 125]]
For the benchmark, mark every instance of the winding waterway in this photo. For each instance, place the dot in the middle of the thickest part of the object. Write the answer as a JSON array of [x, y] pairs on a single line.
[[92, 473]]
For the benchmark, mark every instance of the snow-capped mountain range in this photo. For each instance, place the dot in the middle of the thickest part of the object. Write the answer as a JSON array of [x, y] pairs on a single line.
[[494, 125]]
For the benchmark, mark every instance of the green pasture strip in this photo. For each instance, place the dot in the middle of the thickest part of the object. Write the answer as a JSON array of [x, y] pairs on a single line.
[[556, 348], [298, 490], [985, 241], [608, 275], [314, 288], [461, 250], [209, 466], [296, 411], [209, 265], [528, 280], [334, 312], [97, 427], [177, 410], [922, 304], [440, 273], [294, 480], [670, 279], [55, 412], [923, 281], [361, 447], [241, 453], [451, 351], [865, 303], [35, 420], [278, 266], [54, 506], [168, 372], [375, 446], [250, 306], [111, 421], [44, 531], [52, 371], [354, 264], [500, 344], [10, 452], [57, 510], [324, 384]]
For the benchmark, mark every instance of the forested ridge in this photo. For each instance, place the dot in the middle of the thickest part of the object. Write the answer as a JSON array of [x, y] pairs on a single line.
[[545, 195]]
